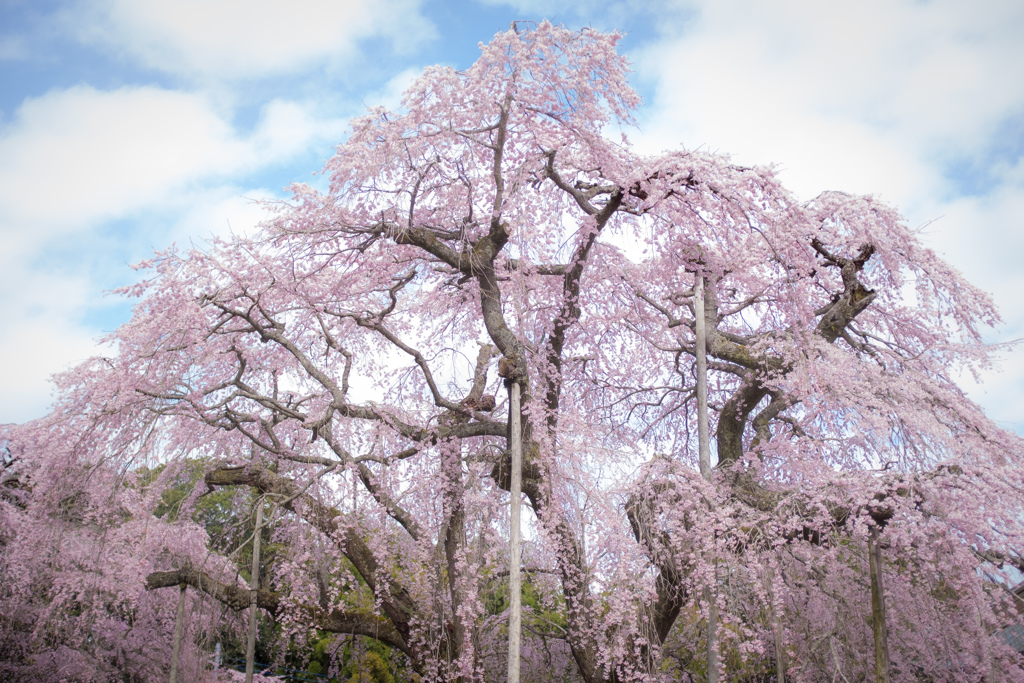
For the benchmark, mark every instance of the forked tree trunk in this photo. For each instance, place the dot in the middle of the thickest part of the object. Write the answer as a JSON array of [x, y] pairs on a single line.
[[515, 494], [178, 620], [254, 586], [878, 625]]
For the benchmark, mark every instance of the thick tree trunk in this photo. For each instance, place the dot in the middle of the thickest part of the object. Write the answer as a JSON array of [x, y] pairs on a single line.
[[254, 585], [515, 496], [878, 625]]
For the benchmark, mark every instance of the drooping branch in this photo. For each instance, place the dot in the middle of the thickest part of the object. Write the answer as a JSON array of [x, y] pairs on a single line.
[[417, 357], [235, 597], [396, 600], [580, 196], [238, 598]]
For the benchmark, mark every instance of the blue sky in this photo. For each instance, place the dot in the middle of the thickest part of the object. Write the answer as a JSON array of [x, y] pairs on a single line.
[[128, 125]]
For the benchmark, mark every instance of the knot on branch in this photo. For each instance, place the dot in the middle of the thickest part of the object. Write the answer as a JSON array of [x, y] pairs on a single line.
[[880, 514], [234, 596], [227, 476], [857, 262], [512, 369], [501, 473], [484, 404]]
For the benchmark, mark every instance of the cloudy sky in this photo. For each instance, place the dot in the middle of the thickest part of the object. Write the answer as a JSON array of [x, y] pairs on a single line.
[[129, 125]]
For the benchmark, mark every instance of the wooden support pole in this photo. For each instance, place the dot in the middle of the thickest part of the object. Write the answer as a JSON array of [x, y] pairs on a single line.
[[254, 586], [878, 625], [712, 631], [515, 500], [780, 662], [703, 438], [178, 626], [704, 452]]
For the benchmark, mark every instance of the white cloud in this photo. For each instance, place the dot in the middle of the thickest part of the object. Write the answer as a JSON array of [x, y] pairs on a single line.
[[221, 212], [835, 92], [243, 38], [33, 349], [73, 158], [77, 156], [40, 335], [390, 95], [92, 179], [286, 128], [984, 237]]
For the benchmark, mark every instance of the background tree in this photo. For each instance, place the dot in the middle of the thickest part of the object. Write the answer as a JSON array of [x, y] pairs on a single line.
[[346, 362]]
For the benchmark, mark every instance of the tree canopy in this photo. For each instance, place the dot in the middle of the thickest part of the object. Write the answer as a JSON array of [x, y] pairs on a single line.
[[345, 363]]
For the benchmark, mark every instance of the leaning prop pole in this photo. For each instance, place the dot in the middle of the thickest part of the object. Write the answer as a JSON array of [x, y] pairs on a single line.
[[254, 586], [515, 501], [176, 651], [700, 328], [780, 662], [702, 378], [878, 625]]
